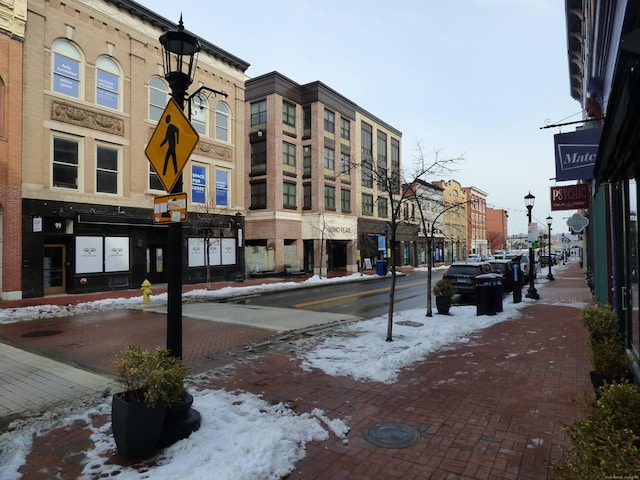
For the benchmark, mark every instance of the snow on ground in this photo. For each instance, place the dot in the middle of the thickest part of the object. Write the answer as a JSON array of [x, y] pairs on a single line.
[[242, 436]]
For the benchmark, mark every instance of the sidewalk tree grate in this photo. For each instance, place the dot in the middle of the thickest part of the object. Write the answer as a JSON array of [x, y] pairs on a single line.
[[391, 435], [41, 333]]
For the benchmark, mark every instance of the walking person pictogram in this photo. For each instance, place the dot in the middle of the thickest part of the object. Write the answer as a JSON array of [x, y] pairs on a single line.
[[171, 138]]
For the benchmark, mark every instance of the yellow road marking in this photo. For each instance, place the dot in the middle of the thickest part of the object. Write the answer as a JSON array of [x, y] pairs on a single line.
[[351, 295]]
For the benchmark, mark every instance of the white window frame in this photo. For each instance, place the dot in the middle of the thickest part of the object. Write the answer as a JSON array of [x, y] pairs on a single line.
[[118, 150], [79, 167], [65, 49], [109, 66]]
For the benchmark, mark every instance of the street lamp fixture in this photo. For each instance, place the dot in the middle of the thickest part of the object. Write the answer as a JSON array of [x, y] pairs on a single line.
[[532, 293], [180, 55], [549, 221]]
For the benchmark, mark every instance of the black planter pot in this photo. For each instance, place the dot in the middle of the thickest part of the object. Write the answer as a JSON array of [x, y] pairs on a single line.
[[179, 422], [443, 304], [136, 427]]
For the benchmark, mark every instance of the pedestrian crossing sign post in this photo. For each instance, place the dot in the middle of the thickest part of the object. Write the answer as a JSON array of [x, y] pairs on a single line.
[[171, 145]]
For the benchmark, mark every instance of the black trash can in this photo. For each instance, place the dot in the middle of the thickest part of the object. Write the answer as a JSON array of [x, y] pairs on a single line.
[[488, 288]]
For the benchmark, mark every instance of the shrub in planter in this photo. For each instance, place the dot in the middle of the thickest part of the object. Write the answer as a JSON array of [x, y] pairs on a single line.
[[608, 355], [443, 291], [606, 443], [150, 376], [153, 380], [600, 322]]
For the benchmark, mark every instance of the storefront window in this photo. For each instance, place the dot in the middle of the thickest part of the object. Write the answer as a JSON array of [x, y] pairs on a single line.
[[633, 266]]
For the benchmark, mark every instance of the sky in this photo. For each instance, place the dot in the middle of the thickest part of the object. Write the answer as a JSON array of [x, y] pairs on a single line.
[[470, 78], [242, 436]]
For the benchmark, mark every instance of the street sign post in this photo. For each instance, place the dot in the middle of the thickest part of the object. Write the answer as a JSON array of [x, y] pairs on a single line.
[[171, 144]]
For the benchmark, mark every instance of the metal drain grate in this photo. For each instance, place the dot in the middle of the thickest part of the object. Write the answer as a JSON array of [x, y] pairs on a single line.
[[391, 435]]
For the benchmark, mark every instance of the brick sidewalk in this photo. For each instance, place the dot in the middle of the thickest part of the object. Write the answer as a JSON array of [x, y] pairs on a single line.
[[492, 408]]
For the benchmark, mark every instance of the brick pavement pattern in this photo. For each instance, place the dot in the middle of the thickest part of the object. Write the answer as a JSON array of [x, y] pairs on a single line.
[[492, 408]]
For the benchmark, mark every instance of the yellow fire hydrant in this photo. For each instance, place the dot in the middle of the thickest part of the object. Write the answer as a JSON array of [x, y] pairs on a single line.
[[146, 291]]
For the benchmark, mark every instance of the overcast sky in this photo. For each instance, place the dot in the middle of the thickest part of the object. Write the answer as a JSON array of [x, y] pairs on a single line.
[[476, 78]]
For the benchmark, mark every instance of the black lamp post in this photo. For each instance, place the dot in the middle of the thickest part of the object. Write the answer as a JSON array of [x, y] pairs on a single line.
[[180, 51], [549, 220], [529, 200]]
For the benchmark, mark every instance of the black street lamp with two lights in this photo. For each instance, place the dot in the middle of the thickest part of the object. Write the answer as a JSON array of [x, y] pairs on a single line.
[[532, 293]]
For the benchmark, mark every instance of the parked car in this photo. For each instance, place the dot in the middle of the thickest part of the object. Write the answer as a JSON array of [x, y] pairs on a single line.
[[504, 268], [463, 275]]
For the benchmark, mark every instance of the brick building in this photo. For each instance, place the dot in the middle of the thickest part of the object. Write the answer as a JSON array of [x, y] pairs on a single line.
[[313, 202], [13, 16], [94, 91]]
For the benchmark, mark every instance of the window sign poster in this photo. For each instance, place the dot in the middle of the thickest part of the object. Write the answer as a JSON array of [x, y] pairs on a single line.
[[222, 188], [228, 251], [116, 254], [215, 255], [89, 254], [196, 252], [107, 94], [198, 184], [66, 75]]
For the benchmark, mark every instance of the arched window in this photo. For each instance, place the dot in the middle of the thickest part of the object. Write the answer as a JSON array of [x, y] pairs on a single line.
[[67, 68], [108, 83], [200, 114], [222, 122], [158, 97]]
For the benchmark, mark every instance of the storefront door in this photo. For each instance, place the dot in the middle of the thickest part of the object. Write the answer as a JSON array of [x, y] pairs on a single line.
[[156, 264], [631, 298], [53, 269]]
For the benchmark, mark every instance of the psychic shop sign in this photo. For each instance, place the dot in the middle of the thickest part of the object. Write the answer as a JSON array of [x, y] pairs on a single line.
[[572, 197]]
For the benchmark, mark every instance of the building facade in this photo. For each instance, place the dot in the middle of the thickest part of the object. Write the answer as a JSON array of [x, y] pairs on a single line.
[[313, 202], [455, 215], [603, 46], [13, 17], [477, 221], [497, 229], [94, 93]]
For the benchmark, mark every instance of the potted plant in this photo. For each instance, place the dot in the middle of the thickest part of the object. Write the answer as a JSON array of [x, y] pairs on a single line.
[[608, 354], [606, 442], [152, 380], [443, 291]]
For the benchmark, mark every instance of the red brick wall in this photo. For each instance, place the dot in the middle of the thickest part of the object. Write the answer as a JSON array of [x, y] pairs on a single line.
[[11, 165]]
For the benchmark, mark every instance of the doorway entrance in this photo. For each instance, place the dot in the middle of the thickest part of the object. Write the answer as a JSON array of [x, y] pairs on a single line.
[[156, 264], [53, 269]]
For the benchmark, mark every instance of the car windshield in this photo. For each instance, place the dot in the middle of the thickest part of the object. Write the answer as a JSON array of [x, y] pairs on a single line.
[[463, 270]]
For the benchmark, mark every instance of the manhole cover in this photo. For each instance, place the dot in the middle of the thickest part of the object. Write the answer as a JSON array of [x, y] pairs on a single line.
[[41, 333], [391, 435], [409, 323]]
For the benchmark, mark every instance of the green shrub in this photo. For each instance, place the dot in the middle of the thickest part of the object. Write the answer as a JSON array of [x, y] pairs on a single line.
[[443, 288], [606, 444], [600, 322], [610, 358], [151, 377]]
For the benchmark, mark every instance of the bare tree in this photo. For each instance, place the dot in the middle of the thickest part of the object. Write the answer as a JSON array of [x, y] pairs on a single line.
[[442, 207], [323, 228], [389, 185]]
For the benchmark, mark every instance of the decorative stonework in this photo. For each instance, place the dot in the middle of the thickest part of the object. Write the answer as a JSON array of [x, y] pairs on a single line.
[[212, 150], [63, 112]]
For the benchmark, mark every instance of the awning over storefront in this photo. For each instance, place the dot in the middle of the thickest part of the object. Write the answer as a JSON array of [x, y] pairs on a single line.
[[619, 152]]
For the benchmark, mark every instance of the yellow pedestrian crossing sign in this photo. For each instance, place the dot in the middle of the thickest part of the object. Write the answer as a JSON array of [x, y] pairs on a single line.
[[171, 144]]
